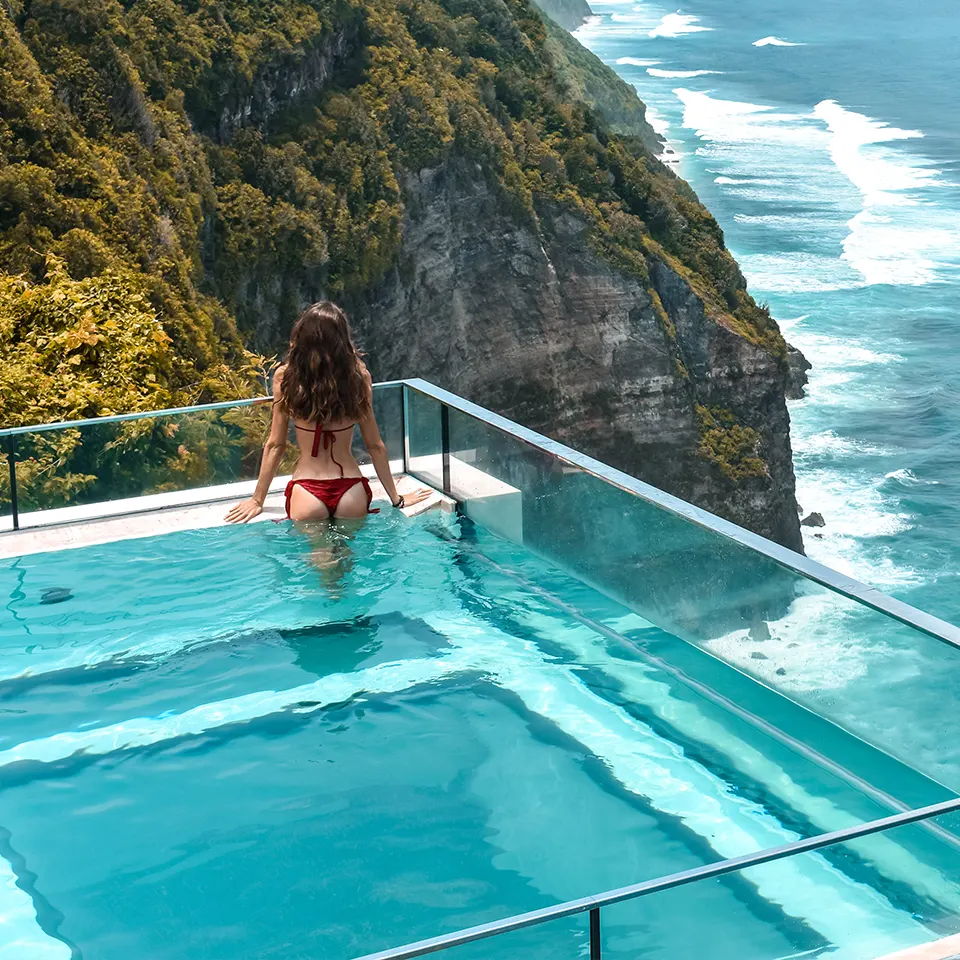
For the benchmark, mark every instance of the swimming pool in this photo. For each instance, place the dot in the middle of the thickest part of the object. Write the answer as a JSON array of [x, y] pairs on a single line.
[[247, 742]]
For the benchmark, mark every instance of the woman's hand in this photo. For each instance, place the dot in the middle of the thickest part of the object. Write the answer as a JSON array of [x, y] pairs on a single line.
[[416, 496], [244, 512]]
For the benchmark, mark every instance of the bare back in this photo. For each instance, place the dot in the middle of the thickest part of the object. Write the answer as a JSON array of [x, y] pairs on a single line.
[[326, 451]]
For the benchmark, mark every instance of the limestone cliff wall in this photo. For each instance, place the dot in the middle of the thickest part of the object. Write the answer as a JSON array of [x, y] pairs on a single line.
[[535, 325]]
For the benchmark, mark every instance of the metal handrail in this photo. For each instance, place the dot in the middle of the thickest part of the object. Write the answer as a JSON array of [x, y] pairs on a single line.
[[593, 904], [147, 414], [137, 415], [782, 556]]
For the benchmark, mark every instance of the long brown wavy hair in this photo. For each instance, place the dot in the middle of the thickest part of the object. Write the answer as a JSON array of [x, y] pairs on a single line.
[[324, 380]]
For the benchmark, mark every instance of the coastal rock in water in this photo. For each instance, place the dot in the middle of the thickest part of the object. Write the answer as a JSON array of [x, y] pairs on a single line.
[[797, 367], [813, 520]]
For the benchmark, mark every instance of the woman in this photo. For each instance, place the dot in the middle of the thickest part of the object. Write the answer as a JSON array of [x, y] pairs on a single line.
[[326, 389]]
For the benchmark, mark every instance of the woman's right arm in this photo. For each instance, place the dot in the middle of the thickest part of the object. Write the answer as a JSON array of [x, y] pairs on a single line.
[[273, 451], [378, 454]]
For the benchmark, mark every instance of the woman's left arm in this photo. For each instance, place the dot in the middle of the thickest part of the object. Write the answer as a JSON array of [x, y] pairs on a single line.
[[273, 451]]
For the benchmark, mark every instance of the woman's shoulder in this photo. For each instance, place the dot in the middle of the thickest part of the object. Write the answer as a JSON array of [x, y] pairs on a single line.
[[278, 380]]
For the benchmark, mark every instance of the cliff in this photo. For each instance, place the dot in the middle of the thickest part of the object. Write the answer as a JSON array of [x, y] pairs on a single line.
[[569, 14], [535, 324], [475, 187]]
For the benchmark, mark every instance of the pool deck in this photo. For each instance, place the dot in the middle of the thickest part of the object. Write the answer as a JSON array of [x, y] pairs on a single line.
[[946, 949], [150, 516]]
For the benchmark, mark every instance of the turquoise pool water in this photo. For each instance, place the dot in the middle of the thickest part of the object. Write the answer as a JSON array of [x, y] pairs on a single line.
[[242, 742]]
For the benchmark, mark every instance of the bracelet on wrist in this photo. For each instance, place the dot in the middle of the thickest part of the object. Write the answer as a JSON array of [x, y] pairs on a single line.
[[401, 503]]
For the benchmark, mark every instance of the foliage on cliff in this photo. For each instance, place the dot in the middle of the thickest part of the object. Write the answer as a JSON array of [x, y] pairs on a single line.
[[730, 445], [100, 306], [171, 170]]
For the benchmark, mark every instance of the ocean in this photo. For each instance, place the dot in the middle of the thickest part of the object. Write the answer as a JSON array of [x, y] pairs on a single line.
[[825, 138]]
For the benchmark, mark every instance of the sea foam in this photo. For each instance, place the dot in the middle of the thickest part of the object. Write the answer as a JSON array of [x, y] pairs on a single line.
[[738, 122], [679, 74], [840, 475], [589, 25], [900, 236], [875, 197], [775, 42], [909, 479], [657, 121], [676, 25], [747, 182], [881, 176], [636, 62], [830, 444]]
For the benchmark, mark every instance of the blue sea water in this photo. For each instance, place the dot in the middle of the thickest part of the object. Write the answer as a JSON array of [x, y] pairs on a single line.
[[825, 138]]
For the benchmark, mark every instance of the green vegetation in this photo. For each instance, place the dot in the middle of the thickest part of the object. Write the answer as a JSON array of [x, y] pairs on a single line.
[[731, 446], [587, 79], [178, 176]]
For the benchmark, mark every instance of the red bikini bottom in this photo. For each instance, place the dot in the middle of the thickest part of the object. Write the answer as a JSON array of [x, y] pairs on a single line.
[[330, 492]]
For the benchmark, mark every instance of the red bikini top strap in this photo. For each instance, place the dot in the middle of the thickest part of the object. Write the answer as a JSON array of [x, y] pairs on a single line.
[[322, 435], [327, 438]]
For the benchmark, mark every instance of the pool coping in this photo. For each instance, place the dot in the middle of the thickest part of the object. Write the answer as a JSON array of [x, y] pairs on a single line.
[[947, 948], [88, 525]]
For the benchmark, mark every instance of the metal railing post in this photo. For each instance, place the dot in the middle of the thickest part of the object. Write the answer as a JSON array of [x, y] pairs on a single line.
[[12, 463], [445, 445], [595, 934], [404, 439]]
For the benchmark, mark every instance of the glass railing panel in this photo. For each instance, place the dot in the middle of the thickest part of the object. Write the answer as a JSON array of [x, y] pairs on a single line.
[[424, 437], [388, 411], [862, 900], [121, 459], [887, 683]]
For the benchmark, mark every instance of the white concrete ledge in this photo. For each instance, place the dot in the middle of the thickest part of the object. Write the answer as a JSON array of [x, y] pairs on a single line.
[[83, 526], [489, 501], [946, 949]]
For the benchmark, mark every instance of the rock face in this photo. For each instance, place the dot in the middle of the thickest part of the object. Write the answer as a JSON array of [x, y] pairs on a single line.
[[541, 329], [278, 83], [798, 367]]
